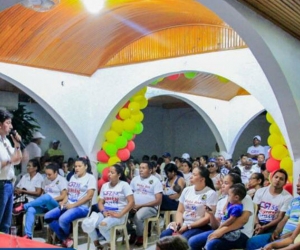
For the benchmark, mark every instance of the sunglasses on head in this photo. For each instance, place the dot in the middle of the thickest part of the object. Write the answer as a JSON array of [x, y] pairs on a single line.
[[210, 165]]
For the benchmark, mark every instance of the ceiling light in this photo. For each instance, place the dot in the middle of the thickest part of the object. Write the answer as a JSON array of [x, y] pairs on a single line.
[[93, 6], [40, 5]]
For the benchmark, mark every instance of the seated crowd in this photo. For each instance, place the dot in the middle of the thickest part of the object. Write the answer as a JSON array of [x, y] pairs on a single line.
[[218, 205]]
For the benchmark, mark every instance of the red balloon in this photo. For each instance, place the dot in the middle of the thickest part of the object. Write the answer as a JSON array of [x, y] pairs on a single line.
[[123, 154], [102, 156], [126, 104], [289, 187], [100, 184], [105, 174], [130, 146], [272, 164], [174, 77]]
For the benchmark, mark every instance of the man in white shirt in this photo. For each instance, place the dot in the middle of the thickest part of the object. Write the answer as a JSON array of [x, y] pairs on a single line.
[[147, 191], [260, 161], [272, 204], [247, 171], [256, 149]]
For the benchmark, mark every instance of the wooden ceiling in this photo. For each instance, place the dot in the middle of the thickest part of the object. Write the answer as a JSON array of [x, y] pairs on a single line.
[[283, 13]]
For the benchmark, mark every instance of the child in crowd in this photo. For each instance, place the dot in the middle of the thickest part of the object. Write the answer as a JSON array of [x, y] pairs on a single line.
[[177, 188]]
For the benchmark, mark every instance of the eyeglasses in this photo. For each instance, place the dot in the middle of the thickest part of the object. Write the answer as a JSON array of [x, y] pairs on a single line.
[[210, 165]]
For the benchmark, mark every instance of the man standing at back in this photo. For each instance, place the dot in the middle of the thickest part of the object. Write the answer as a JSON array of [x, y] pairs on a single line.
[[147, 191], [256, 149]]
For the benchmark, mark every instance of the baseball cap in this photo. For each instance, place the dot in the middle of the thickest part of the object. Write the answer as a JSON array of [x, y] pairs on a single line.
[[166, 155], [89, 224], [55, 141], [212, 160], [257, 137], [37, 135], [185, 156]]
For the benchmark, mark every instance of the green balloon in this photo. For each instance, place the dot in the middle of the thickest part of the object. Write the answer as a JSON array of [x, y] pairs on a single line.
[[127, 135], [190, 75], [121, 142], [111, 149], [101, 166], [139, 127]]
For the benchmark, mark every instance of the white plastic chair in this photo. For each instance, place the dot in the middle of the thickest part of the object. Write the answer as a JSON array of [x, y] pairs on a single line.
[[146, 225]]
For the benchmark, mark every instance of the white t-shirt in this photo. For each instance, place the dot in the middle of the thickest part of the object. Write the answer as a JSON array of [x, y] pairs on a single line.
[[246, 174], [31, 184], [158, 176], [31, 151], [215, 179], [256, 151], [144, 190], [256, 168], [194, 202], [115, 197], [247, 205], [78, 187], [6, 150], [54, 188], [271, 205], [187, 178]]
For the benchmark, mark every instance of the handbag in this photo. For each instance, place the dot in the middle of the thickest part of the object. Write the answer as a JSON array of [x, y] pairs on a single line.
[[19, 199]]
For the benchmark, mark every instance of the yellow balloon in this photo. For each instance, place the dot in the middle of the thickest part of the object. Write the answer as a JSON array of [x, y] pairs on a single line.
[[113, 160], [274, 129], [124, 113], [287, 164], [134, 107], [278, 152], [117, 126], [269, 118], [137, 98], [104, 145], [291, 178], [273, 140], [111, 136], [129, 125], [138, 117], [143, 103], [282, 140]]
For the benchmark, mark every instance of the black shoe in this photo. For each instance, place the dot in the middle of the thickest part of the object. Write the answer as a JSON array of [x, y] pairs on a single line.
[[132, 239]]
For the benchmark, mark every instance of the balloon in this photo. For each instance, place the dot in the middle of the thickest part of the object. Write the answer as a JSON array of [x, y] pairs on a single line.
[[143, 103], [105, 174], [130, 146], [190, 75], [287, 164], [118, 117], [126, 104], [222, 79], [102, 156], [154, 82], [111, 149], [113, 160], [129, 125], [134, 107], [138, 117], [282, 140], [100, 184], [142, 91], [101, 166], [278, 152], [290, 178], [117, 126], [269, 118], [111, 136], [173, 77], [104, 145], [289, 187], [121, 142], [274, 129], [127, 135], [124, 113], [123, 154], [138, 128], [137, 98], [272, 165], [274, 139]]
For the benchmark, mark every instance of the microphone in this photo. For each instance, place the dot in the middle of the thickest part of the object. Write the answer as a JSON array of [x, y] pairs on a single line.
[[13, 133]]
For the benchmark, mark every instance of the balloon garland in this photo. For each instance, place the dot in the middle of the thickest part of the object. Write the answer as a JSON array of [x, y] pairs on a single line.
[[174, 77], [279, 154]]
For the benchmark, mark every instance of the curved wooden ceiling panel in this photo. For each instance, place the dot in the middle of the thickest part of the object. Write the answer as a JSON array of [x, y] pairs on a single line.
[[70, 39]]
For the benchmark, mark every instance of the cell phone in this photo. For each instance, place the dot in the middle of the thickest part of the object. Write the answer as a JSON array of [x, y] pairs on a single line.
[[208, 208]]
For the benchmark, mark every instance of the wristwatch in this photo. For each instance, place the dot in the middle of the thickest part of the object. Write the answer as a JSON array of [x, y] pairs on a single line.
[[189, 227]]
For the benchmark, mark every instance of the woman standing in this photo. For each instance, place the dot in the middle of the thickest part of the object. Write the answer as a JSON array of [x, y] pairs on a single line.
[[245, 221], [191, 217], [170, 196], [9, 157], [55, 190], [115, 201], [75, 205]]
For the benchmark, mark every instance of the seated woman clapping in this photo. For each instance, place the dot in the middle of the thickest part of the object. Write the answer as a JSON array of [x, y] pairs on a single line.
[[115, 201], [55, 190], [75, 205]]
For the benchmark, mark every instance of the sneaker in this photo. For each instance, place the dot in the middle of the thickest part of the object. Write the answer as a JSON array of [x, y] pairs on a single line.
[[132, 239], [27, 237], [139, 241], [67, 243], [19, 209]]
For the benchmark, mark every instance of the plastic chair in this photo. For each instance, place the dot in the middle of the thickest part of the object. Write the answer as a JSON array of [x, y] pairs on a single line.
[[167, 216], [146, 224]]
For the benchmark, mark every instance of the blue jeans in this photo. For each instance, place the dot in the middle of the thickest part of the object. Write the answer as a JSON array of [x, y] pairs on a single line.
[[258, 241], [198, 241], [6, 206], [60, 221], [40, 205], [188, 233]]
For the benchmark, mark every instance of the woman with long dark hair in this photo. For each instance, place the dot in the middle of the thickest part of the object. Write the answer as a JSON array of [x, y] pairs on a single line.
[[191, 216], [115, 201]]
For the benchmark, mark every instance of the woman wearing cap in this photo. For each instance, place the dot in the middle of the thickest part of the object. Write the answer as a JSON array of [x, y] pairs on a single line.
[[115, 201], [170, 196], [55, 190], [9, 157], [75, 205], [191, 217]]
